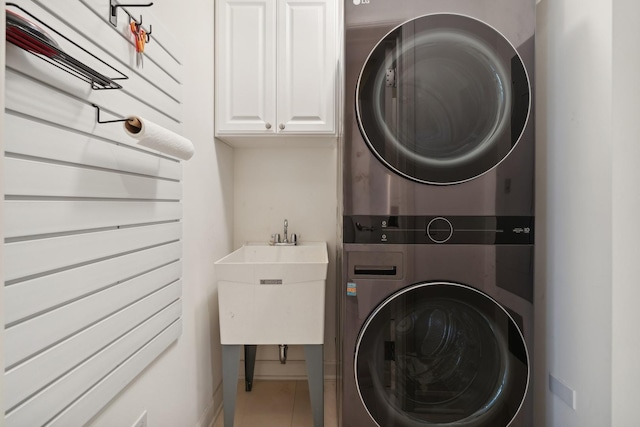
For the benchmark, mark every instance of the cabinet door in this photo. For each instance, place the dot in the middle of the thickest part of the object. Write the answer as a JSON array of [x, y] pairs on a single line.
[[246, 80], [307, 66]]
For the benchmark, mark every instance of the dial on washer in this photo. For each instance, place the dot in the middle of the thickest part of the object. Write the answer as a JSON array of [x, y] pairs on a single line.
[[439, 230]]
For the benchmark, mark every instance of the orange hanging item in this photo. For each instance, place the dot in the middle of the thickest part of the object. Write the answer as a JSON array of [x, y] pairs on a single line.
[[140, 38]]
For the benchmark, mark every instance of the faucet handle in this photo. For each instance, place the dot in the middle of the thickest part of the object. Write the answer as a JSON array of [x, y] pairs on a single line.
[[275, 238]]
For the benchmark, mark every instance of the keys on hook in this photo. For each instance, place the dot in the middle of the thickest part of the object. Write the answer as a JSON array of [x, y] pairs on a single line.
[[140, 38]]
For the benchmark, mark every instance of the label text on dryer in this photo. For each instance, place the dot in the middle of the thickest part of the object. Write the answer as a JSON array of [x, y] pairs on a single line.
[[525, 230]]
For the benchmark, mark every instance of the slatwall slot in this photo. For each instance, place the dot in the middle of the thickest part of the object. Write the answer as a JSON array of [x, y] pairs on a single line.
[[24, 218], [91, 402], [47, 403], [93, 221], [31, 297], [27, 137], [59, 252], [34, 375]]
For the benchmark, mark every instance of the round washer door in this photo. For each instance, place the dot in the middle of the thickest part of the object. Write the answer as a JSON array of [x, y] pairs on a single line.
[[441, 354], [442, 99]]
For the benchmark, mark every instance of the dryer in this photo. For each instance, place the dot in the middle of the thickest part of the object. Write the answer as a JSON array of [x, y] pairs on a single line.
[[437, 334], [438, 203], [439, 111]]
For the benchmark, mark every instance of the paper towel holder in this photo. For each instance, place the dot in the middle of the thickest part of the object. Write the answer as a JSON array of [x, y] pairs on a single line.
[[179, 146], [133, 124], [105, 121]]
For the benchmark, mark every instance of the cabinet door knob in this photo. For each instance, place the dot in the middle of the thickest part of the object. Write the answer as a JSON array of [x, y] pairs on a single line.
[[281, 126], [267, 125]]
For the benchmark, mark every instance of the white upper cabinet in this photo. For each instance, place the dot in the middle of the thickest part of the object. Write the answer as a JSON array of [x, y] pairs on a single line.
[[276, 67]]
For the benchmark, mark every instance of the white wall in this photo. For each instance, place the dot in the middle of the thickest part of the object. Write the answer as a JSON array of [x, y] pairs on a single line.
[[588, 200], [626, 206], [183, 386], [299, 184], [574, 210]]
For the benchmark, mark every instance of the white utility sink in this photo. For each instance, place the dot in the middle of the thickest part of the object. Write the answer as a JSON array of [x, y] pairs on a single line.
[[273, 294]]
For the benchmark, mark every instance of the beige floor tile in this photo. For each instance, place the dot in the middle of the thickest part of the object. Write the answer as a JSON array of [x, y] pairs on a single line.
[[280, 404], [302, 415], [269, 404]]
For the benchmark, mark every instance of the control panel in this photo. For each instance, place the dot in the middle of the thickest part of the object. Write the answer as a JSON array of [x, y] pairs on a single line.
[[479, 230]]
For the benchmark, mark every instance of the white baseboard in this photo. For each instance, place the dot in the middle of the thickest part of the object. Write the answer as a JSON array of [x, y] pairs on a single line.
[[292, 370], [213, 411], [208, 416]]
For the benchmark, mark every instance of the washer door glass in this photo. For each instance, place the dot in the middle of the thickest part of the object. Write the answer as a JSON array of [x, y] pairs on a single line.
[[442, 99], [441, 354]]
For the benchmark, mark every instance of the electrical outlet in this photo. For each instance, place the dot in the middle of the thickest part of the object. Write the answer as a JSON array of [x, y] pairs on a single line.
[[141, 421]]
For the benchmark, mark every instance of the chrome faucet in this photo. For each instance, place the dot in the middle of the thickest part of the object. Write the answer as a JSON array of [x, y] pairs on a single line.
[[286, 226], [275, 238]]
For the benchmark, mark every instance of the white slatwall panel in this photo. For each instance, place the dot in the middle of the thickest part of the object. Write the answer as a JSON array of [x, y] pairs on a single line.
[[92, 221], [35, 178], [27, 217]]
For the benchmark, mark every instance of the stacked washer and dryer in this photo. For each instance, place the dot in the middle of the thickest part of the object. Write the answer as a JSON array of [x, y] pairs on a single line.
[[438, 174]]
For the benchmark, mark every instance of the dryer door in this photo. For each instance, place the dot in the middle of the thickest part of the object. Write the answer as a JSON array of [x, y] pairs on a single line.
[[441, 354], [442, 99]]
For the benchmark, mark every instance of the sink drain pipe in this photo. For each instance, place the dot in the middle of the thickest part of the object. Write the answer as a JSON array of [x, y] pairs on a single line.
[[283, 353]]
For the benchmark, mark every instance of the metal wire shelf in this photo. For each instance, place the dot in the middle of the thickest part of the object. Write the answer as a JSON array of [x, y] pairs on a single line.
[[43, 49]]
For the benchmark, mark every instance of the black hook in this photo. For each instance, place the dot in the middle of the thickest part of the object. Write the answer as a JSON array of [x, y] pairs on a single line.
[[146, 33], [105, 121], [113, 10]]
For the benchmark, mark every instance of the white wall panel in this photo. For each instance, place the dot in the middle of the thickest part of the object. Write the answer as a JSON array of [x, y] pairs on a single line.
[[31, 178], [27, 137], [90, 403], [175, 393], [70, 111], [48, 402], [27, 217], [26, 379], [53, 326], [2, 126], [65, 251], [93, 221], [28, 298]]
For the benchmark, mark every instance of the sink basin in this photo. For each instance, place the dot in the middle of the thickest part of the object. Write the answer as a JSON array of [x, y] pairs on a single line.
[[254, 262], [273, 294]]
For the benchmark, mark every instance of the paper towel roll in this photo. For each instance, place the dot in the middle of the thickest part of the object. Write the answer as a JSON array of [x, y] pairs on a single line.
[[154, 136]]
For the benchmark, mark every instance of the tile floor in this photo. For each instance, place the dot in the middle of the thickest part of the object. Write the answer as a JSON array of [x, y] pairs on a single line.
[[280, 404]]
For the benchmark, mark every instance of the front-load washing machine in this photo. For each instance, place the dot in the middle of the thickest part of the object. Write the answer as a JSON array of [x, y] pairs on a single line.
[[438, 202], [438, 107], [438, 325]]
